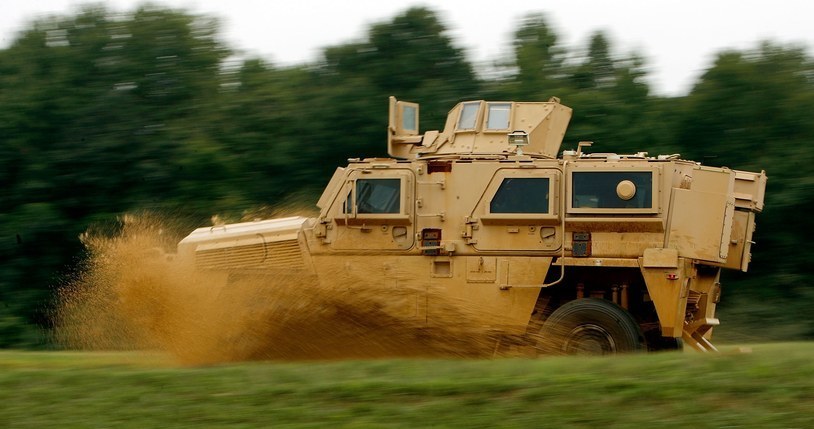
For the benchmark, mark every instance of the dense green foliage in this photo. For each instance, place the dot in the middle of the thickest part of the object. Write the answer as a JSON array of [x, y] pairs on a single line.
[[771, 387], [104, 113]]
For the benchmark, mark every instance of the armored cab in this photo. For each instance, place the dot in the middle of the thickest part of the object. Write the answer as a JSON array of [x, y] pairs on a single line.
[[594, 253]]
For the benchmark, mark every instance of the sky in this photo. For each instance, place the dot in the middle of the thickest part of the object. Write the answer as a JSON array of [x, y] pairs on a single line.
[[677, 39]]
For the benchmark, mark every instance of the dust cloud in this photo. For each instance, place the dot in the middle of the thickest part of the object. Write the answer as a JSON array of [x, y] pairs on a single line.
[[131, 295]]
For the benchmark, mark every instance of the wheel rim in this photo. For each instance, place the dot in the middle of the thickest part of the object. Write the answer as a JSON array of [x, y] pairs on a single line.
[[589, 339]]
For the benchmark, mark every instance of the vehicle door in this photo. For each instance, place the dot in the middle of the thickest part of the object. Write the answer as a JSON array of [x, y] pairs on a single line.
[[374, 211], [520, 212]]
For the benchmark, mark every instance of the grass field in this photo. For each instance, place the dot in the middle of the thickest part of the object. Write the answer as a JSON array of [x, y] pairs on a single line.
[[763, 386]]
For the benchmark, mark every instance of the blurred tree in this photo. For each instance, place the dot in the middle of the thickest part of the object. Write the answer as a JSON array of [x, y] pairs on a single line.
[[612, 100], [535, 72], [608, 93], [264, 126], [598, 69], [410, 57], [95, 114]]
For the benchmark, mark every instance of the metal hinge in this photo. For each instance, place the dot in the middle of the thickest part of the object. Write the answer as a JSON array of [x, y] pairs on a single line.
[[470, 225], [322, 228]]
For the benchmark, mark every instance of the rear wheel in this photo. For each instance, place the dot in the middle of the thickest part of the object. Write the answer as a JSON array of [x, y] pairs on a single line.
[[591, 327]]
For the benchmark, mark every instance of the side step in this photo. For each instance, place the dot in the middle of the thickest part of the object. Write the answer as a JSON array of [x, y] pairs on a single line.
[[693, 334]]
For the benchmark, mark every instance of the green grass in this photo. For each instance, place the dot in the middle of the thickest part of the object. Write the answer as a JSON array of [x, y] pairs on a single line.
[[770, 386]]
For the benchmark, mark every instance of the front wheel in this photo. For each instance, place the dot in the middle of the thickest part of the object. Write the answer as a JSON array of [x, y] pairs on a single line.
[[591, 326]]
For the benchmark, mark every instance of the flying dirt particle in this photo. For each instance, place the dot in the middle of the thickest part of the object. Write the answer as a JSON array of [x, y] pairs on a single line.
[[131, 296]]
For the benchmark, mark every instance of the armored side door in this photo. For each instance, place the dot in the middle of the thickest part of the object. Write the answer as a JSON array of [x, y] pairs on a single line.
[[519, 212], [367, 229], [515, 230], [373, 211]]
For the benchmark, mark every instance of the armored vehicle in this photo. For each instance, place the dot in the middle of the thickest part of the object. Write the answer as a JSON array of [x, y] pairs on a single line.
[[593, 252]]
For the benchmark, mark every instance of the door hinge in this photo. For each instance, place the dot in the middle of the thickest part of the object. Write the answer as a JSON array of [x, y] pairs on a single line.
[[470, 225]]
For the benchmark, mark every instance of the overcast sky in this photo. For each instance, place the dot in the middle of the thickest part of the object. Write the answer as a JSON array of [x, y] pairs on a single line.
[[678, 39]]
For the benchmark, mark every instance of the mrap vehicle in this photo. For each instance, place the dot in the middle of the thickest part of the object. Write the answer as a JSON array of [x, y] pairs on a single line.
[[594, 253]]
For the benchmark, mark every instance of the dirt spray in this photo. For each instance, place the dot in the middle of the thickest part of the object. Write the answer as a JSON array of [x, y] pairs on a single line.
[[131, 295]]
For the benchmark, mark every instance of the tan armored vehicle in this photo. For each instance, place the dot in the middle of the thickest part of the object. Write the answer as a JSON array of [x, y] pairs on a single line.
[[595, 253]]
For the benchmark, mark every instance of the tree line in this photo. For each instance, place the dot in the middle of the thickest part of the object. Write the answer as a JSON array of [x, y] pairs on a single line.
[[104, 113]]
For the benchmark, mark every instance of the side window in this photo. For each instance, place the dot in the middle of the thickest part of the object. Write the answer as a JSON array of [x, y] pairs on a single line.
[[376, 196], [498, 116], [521, 195], [469, 115], [409, 118], [612, 189]]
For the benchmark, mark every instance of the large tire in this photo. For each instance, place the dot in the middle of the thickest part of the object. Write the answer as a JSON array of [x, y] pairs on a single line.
[[590, 326]]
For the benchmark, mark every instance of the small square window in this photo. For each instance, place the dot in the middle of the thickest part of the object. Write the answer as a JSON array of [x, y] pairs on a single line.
[[378, 196], [499, 116], [409, 118], [469, 115]]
